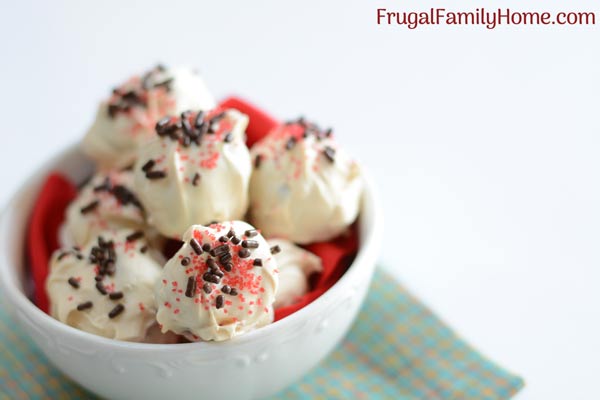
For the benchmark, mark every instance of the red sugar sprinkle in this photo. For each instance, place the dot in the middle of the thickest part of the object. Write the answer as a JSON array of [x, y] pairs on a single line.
[[176, 311], [167, 304], [70, 298], [164, 281], [240, 307], [141, 306]]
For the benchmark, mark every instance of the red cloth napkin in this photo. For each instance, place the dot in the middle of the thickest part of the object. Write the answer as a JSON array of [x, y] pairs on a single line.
[[42, 235], [58, 191]]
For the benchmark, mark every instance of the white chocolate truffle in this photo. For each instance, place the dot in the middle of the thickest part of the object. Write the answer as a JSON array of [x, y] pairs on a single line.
[[126, 120], [220, 292], [303, 188], [106, 202], [106, 288], [195, 172], [295, 266]]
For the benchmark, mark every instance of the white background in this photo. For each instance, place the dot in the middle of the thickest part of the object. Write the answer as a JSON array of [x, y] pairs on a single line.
[[484, 143]]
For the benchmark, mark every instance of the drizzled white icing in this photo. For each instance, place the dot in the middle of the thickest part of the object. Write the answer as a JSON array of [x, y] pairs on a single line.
[[116, 207], [304, 188], [124, 122], [295, 266], [135, 276], [209, 310], [204, 180]]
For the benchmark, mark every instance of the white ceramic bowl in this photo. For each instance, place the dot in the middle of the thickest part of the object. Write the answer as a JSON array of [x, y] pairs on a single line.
[[254, 365]]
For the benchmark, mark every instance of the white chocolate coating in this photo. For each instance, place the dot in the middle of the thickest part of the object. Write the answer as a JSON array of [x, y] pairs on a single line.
[[113, 140], [117, 207], [195, 313], [304, 187], [135, 275], [221, 163], [295, 266]]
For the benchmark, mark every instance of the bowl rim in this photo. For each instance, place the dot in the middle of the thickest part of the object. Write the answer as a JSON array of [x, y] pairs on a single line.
[[18, 300]]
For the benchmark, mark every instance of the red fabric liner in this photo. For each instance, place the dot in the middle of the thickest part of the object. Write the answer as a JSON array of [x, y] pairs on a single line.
[[42, 235], [57, 192]]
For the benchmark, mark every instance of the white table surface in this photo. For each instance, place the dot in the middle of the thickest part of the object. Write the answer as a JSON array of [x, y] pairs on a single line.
[[485, 144]]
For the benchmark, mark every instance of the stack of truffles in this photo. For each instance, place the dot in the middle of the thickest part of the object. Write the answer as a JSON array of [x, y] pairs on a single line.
[[172, 165]]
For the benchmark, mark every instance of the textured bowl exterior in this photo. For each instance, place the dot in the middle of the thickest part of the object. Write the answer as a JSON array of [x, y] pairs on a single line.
[[254, 365]]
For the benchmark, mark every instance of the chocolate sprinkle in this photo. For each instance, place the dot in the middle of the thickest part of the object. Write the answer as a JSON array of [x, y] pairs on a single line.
[[135, 236], [126, 196], [222, 249], [250, 244], [162, 126], [231, 233], [119, 308], [244, 253], [226, 289], [329, 152], [251, 233], [290, 143], [196, 179], [228, 138], [207, 288], [219, 301], [257, 262], [233, 292], [84, 306], [258, 160], [206, 247], [195, 246], [225, 258], [148, 166], [236, 240], [190, 289], [90, 207], [115, 295], [73, 282], [101, 288], [199, 119], [228, 266], [208, 277], [211, 264], [218, 273], [156, 174], [275, 249], [185, 261]]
